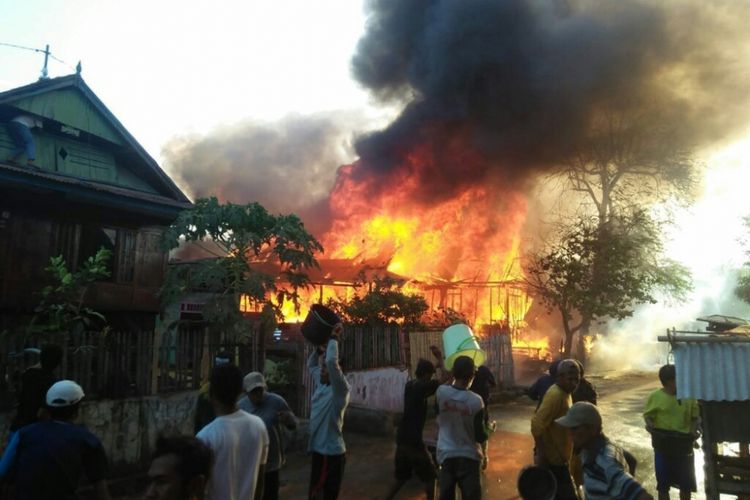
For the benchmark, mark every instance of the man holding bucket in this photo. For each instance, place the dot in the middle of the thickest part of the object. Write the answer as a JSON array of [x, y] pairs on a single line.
[[329, 401], [553, 446]]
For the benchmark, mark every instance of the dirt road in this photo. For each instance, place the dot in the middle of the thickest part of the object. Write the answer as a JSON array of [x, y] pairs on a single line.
[[369, 468]]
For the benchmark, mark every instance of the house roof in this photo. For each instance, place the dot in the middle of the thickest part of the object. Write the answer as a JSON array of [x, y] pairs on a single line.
[[148, 168], [712, 367], [75, 189]]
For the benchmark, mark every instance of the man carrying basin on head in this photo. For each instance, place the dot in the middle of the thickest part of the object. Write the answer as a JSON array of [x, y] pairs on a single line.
[[329, 401]]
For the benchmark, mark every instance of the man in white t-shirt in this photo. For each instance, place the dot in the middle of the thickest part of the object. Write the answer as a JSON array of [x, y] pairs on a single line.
[[239, 441], [462, 432]]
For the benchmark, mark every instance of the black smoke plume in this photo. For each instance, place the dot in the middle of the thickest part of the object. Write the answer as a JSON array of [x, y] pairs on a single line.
[[521, 83]]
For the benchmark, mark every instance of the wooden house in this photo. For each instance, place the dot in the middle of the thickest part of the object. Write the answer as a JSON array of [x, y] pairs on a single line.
[[95, 186]]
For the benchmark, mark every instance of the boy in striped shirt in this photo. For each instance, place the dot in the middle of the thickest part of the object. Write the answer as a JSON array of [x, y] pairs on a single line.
[[605, 473]]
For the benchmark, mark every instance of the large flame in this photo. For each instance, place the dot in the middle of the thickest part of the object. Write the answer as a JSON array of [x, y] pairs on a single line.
[[462, 252]]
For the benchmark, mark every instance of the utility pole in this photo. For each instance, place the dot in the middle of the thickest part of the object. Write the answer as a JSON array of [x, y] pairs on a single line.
[[44, 69]]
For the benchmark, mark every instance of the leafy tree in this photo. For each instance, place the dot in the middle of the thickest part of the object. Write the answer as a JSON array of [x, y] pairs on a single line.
[[62, 308], [628, 158], [248, 238], [573, 279], [742, 290], [382, 303]]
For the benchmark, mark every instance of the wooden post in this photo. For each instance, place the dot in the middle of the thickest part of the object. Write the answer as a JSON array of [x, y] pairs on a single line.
[[709, 455], [491, 299]]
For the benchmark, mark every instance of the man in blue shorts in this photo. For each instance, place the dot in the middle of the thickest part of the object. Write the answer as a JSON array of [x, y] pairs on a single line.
[[673, 424]]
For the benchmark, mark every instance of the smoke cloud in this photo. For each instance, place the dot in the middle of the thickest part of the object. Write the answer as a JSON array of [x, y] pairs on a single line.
[[286, 166], [502, 89]]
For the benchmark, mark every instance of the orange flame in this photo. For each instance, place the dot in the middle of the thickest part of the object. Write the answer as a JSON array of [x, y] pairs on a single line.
[[461, 253]]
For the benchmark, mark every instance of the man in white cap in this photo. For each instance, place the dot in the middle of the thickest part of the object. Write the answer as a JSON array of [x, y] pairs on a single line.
[[274, 411], [50, 456], [605, 470]]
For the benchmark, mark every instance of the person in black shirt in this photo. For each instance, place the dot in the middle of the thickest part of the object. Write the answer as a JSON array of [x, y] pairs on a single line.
[[585, 390], [412, 455], [484, 380], [49, 457], [35, 382]]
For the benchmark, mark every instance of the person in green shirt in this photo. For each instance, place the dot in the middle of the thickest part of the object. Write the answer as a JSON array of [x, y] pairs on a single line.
[[673, 424]]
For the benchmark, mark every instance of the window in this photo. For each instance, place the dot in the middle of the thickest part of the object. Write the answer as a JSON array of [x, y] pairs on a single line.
[[121, 242]]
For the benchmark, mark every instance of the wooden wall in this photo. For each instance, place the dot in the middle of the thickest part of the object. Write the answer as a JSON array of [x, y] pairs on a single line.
[[27, 241]]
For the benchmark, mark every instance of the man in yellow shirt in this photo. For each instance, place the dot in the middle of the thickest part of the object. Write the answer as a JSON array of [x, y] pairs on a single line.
[[673, 424], [553, 444]]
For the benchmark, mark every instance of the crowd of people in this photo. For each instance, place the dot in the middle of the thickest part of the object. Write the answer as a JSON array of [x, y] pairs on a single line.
[[238, 451]]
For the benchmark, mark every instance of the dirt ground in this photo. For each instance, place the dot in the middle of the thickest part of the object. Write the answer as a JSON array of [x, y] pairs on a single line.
[[369, 468]]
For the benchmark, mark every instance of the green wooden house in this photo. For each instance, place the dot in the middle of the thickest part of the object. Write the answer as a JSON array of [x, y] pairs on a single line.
[[95, 186]]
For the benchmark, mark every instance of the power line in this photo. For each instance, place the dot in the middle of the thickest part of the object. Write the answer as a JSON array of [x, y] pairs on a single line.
[[42, 51], [20, 47]]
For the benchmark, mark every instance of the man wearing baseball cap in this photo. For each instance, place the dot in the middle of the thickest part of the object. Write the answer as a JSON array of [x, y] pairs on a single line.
[[274, 411], [50, 456], [553, 448], [605, 469]]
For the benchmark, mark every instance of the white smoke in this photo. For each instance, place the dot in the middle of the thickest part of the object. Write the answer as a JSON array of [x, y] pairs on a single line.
[[708, 239]]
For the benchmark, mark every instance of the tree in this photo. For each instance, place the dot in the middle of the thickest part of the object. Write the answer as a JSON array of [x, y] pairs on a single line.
[[573, 279], [62, 306], [628, 158], [383, 303], [246, 235], [742, 290]]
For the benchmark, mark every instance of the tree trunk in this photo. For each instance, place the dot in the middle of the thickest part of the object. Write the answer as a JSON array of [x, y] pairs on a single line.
[[568, 339]]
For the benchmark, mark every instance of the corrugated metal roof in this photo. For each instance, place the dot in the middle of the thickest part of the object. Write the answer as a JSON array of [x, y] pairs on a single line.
[[713, 371]]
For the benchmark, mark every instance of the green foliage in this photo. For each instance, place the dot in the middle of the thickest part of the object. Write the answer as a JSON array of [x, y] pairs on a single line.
[[61, 308], [249, 237], [605, 271], [742, 290], [442, 317], [278, 373], [382, 303]]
